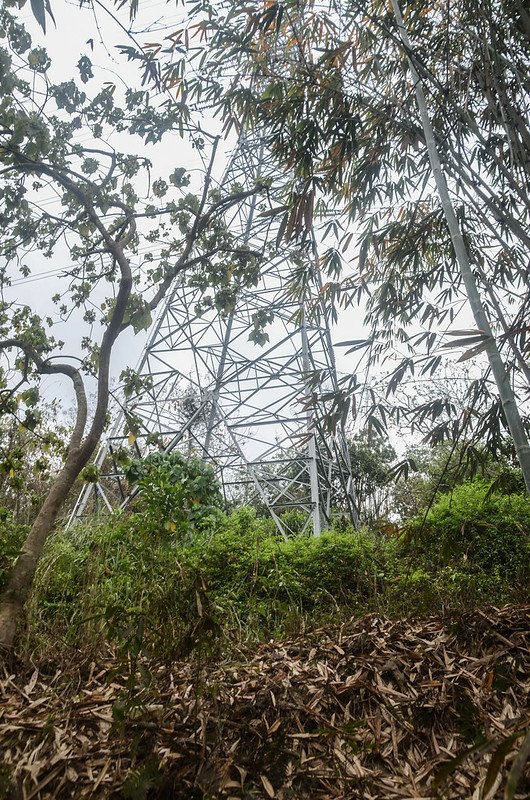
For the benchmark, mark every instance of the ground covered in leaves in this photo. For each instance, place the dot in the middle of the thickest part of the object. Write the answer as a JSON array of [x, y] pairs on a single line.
[[376, 709]]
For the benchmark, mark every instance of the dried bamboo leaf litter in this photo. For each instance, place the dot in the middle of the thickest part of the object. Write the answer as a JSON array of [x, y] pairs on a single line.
[[376, 709]]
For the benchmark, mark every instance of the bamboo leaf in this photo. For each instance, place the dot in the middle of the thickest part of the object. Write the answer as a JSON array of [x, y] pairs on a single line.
[[474, 351], [497, 760], [355, 344], [463, 342]]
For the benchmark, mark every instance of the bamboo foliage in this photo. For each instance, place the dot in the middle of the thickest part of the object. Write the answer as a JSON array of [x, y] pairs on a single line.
[[330, 87], [501, 377]]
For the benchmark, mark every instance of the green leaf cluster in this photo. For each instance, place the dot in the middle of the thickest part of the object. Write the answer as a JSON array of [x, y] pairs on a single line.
[[177, 495], [488, 532]]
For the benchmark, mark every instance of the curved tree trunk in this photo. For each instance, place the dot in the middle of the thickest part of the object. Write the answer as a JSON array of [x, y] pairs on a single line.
[[81, 449], [21, 576]]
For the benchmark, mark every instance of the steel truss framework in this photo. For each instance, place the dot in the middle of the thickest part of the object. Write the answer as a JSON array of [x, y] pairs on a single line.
[[238, 405]]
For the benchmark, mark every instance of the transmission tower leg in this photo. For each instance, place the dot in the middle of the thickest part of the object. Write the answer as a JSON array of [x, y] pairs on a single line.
[[316, 513]]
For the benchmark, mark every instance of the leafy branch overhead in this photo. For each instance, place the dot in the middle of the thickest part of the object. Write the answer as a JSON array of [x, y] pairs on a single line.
[[357, 109], [337, 107]]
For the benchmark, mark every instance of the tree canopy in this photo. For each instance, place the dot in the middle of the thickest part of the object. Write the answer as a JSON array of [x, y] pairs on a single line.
[[330, 87]]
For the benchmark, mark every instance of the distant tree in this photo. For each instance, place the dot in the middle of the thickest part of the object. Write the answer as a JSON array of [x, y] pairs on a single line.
[[441, 469], [110, 288], [371, 459]]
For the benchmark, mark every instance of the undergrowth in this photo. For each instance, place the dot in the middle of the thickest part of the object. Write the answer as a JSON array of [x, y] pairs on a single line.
[[134, 582]]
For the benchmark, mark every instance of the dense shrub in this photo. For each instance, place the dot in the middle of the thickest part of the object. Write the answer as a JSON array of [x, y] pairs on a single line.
[[108, 582], [134, 582], [177, 494], [104, 581], [474, 531], [247, 564]]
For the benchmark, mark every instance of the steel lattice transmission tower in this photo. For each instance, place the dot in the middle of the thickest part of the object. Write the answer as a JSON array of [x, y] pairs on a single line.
[[238, 405]]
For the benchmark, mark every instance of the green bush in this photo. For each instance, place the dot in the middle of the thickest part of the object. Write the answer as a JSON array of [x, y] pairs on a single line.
[[252, 572], [132, 583], [295, 522], [419, 590], [123, 580], [178, 495], [101, 582], [474, 531], [104, 583]]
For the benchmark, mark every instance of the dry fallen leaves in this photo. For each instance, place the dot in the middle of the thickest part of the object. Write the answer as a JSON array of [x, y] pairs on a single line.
[[378, 709]]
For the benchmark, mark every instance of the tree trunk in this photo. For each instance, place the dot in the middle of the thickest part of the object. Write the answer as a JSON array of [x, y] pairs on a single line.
[[23, 571], [502, 380]]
